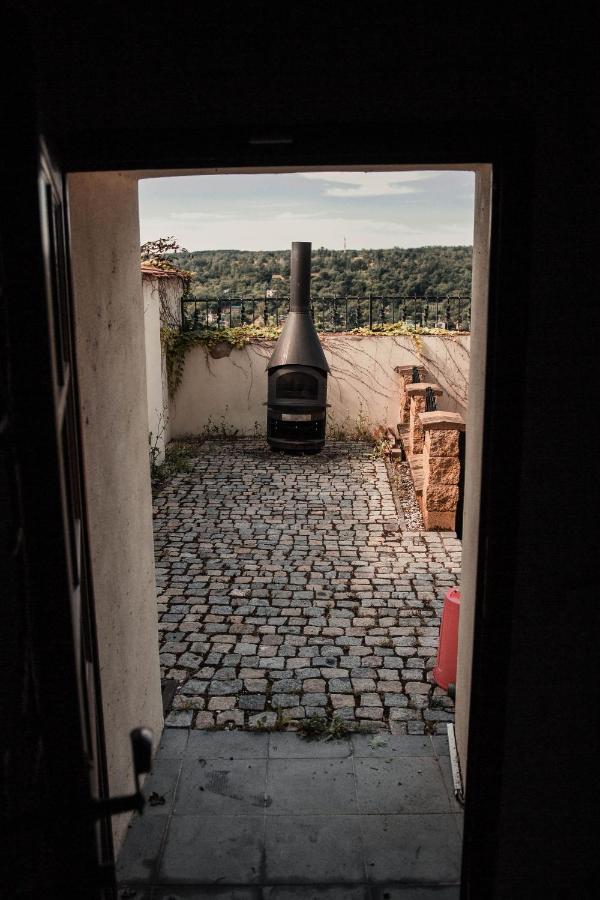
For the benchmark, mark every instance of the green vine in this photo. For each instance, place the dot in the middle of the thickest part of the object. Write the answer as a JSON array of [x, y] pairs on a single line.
[[177, 343], [401, 329]]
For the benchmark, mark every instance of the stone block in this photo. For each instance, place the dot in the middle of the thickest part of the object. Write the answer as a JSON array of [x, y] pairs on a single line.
[[264, 720], [370, 700], [233, 717], [254, 702], [225, 688], [287, 686], [441, 497], [403, 715], [417, 405], [406, 373], [363, 684], [434, 520], [420, 388], [194, 687], [189, 702], [340, 686], [284, 701], [314, 700], [204, 720], [440, 470], [338, 701], [369, 712], [313, 685], [179, 718], [416, 687], [396, 701], [440, 442], [221, 703], [255, 685]]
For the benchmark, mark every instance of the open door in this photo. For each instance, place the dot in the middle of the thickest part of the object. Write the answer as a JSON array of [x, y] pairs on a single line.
[[70, 468], [53, 764]]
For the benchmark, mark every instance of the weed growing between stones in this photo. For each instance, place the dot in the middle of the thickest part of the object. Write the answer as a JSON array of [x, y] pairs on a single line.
[[281, 723], [359, 429], [220, 429], [177, 460], [330, 727]]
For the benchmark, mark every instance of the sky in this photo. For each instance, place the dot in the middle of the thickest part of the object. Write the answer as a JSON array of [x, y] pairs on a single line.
[[368, 210]]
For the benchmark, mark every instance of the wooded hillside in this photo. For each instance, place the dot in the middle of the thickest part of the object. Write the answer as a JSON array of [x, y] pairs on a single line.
[[421, 271]]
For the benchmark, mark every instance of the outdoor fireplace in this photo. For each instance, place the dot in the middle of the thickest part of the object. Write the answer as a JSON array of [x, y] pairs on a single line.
[[297, 392]]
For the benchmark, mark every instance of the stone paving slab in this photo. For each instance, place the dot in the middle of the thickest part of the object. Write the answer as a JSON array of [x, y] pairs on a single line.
[[289, 822], [318, 891], [286, 590]]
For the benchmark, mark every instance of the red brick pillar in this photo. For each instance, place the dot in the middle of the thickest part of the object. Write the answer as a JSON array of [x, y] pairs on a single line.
[[441, 469], [406, 377], [416, 395]]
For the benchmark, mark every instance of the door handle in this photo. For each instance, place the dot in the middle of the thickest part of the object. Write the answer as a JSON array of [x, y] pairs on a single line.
[[141, 748]]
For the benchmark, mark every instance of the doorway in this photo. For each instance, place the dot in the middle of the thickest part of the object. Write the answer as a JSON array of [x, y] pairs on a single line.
[[119, 191]]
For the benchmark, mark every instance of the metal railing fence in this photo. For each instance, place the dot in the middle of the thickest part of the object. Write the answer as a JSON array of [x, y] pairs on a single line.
[[329, 313]]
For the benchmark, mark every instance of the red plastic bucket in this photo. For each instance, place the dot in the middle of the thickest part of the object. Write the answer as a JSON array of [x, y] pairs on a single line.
[[445, 668]]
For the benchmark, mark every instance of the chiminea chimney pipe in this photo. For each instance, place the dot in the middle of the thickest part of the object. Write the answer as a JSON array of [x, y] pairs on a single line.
[[300, 277], [297, 381], [298, 343]]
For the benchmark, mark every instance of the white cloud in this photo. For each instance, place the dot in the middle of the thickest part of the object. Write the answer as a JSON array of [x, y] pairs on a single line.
[[277, 233], [260, 209], [199, 216], [368, 184], [271, 211]]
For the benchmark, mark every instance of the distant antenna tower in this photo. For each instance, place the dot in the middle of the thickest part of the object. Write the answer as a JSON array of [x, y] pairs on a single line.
[[344, 242]]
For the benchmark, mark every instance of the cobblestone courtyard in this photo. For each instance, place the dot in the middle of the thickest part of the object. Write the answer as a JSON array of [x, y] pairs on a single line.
[[287, 589]]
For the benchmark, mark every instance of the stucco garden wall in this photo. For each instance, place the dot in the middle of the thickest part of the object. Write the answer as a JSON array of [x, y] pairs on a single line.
[[161, 297], [109, 331], [230, 391]]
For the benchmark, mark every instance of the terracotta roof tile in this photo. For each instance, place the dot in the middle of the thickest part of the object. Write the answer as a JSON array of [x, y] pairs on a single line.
[[156, 272]]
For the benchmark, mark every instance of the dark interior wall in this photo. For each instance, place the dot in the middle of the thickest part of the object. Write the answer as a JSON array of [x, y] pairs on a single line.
[[268, 65], [551, 763], [192, 84]]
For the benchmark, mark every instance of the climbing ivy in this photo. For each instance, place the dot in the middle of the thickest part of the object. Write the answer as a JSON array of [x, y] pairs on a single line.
[[401, 329], [177, 343]]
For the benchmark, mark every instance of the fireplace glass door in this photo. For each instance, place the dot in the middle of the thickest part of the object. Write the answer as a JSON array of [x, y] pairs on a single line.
[[297, 386]]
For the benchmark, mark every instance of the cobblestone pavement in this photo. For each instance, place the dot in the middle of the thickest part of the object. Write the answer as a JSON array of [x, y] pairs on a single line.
[[287, 590]]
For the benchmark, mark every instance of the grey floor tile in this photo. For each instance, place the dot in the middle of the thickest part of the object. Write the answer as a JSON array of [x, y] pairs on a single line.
[[137, 861], [394, 892], [445, 766], [161, 784], [459, 821], [389, 745], [309, 849], [412, 848], [317, 892], [227, 745], [221, 787], [290, 746], [440, 744], [304, 786], [212, 849], [403, 785], [206, 892], [133, 892], [172, 743]]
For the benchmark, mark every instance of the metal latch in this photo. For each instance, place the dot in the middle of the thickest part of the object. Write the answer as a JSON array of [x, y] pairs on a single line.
[[141, 747]]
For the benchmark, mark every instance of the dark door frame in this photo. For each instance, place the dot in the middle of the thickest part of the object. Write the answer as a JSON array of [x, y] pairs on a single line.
[[419, 144], [412, 144]]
